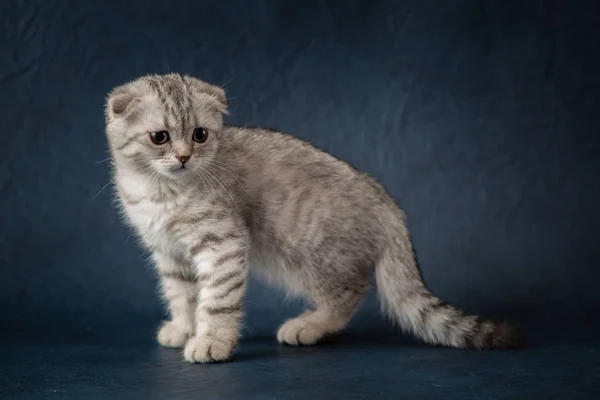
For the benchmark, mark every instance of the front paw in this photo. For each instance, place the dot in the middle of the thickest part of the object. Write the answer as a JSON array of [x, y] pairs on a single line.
[[172, 335], [206, 348]]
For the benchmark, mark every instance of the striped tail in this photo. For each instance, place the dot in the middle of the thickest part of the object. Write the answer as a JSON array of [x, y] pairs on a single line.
[[409, 303]]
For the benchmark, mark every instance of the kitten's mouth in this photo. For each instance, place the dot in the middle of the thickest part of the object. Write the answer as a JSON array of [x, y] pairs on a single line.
[[178, 170]]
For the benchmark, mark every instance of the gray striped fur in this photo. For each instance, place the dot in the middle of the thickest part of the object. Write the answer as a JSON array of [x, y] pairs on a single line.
[[302, 218]]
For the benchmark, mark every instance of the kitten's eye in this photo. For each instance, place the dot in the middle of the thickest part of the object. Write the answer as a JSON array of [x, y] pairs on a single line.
[[200, 135], [160, 137]]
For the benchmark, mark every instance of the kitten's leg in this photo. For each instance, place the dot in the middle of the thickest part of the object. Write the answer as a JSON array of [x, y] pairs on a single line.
[[179, 289], [222, 273], [334, 309]]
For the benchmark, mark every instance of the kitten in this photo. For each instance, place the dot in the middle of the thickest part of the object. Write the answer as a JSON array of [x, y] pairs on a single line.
[[208, 199]]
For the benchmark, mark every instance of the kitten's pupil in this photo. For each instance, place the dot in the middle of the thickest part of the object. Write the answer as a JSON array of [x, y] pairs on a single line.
[[160, 137], [200, 135]]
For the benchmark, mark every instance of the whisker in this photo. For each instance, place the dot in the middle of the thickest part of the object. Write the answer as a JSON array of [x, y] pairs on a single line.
[[215, 162], [228, 82], [205, 104], [155, 178], [103, 187], [101, 161], [224, 188], [201, 177], [224, 169], [208, 184]]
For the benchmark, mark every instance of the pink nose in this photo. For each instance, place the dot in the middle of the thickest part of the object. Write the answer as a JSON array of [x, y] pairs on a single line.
[[183, 159]]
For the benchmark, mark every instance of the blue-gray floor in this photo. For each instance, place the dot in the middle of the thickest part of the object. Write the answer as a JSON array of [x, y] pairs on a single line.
[[357, 365]]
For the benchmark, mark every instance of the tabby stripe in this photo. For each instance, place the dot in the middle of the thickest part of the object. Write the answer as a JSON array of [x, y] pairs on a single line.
[[200, 217], [348, 290], [189, 99], [184, 126], [164, 100], [207, 240], [180, 259], [211, 238], [427, 310], [472, 337], [223, 310], [229, 257], [438, 304], [170, 91], [297, 211], [195, 119], [161, 94], [191, 221], [225, 278], [479, 337], [184, 276], [417, 298], [239, 284], [453, 324], [154, 86], [185, 121], [128, 141]]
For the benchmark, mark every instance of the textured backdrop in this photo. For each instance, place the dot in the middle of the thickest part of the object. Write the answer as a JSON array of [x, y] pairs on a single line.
[[481, 118]]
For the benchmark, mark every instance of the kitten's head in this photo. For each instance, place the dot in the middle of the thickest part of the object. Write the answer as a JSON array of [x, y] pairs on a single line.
[[166, 124]]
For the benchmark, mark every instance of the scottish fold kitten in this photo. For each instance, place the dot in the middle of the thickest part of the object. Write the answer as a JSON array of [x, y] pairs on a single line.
[[208, 199]]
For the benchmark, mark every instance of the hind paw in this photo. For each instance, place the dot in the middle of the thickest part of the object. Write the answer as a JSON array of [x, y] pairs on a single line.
[[298, 331]]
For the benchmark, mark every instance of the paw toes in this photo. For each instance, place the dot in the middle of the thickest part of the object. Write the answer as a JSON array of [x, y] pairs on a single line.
[[204, 349], [298, 332], [171, 335], [309, 336]]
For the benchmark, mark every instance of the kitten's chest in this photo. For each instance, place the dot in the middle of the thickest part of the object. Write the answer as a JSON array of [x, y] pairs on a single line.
[[152, 218], [149, 218], [152, 222]]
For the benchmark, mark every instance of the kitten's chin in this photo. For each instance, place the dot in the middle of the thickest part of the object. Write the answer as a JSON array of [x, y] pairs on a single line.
[[176, 173]]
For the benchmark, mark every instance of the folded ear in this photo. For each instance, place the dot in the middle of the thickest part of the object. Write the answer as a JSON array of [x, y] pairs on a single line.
[[122, 102], [214, 91]]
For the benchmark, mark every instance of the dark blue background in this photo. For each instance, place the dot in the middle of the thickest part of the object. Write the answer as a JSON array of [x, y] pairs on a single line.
[[481, 117]]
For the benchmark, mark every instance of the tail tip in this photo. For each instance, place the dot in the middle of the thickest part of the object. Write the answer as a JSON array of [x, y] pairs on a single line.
[[493, 335], [507, 337]]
